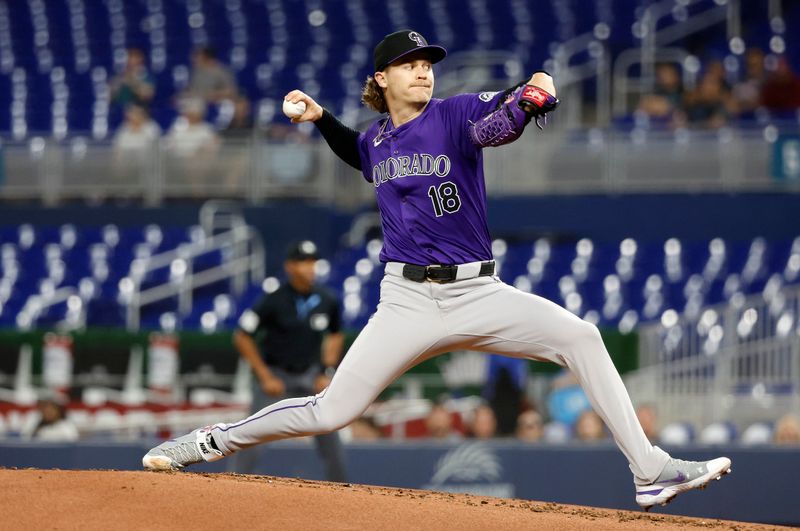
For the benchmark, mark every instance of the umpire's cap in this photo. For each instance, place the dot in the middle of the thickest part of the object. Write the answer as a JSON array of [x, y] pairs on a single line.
[[403, 42], [302, 250]]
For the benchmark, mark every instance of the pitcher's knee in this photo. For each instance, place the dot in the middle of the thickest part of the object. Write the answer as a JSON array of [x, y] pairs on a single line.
[[587, 334], [334, 420], [583, 344]]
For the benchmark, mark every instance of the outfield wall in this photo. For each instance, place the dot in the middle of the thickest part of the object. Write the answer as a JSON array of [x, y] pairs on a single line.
[[762, 487]]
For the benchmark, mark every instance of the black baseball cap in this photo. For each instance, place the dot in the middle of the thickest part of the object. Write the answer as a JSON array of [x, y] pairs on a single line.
[[302, 250], [403, 42]]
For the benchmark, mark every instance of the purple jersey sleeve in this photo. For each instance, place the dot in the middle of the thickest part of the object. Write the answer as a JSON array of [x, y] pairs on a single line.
[[465, 108]]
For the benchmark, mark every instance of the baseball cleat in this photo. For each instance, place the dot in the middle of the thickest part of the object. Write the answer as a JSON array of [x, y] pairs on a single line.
[[679, 476], [188, 449]]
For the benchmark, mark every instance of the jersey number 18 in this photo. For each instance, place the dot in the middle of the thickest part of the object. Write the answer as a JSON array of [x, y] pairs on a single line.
[[444, 198]]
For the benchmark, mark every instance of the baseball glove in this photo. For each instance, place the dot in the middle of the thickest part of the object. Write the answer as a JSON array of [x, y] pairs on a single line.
[[537, 102]]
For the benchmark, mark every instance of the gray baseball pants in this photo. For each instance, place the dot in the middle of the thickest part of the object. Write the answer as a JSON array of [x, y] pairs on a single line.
[[329, 446], [416, 321]]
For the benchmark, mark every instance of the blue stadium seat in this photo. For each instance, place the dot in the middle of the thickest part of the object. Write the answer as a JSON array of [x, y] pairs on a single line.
[[78, 36], [94, 260]]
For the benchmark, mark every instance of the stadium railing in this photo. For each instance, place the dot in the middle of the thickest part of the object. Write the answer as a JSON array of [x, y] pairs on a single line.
[[738, 361], [558, 161], [236, 255]]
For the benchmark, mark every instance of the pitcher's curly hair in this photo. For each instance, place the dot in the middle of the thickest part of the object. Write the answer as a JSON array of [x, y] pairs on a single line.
[[372, 96]]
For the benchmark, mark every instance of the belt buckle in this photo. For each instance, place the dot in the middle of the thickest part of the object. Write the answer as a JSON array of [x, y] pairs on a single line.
[[437, 280], [415, 273]]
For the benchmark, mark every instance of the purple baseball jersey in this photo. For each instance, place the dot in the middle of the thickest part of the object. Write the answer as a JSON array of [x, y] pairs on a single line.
[[428, 178]]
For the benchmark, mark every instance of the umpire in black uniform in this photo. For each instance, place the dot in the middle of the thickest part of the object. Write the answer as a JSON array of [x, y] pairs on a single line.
[[293, 342]]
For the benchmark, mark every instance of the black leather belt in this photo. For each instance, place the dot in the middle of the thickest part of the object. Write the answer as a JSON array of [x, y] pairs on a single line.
[[441, 273]]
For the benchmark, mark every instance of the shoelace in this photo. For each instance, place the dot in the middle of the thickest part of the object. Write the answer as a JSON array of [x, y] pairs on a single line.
[[184, 453]]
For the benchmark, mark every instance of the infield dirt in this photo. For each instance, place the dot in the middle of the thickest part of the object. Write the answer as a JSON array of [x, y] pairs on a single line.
[[112, 500]]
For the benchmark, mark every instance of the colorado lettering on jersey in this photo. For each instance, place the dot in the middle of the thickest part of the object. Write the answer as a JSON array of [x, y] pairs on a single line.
[[419, 164]]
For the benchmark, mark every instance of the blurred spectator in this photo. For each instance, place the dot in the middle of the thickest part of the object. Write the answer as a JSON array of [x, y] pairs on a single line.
[[567, 400], [708, 104], [504, 390], [210, 80], [192, 146], [758, 433], [747, 93], [787, 430], [241, 122], [530, 427], [289, 159], [648, 418], [137, 136], [676, 434], [781, 90], [556, 432], [364, 430], [590, 427], [484, 423], [717, 433], [190, 135], [439, 423], [52, 424], [134, 85], [716, 70], [665, 100], [236, 124]]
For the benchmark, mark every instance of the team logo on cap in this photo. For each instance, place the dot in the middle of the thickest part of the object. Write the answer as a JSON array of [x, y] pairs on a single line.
[[416, 37], [308, 247]]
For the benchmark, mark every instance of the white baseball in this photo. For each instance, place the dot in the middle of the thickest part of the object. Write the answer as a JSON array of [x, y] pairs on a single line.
[[293, 110]]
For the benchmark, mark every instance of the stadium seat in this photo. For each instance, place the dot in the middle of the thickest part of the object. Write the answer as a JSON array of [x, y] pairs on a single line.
[[718, 433], [759, 433], [676, 434], [614, 284], [60, 49]]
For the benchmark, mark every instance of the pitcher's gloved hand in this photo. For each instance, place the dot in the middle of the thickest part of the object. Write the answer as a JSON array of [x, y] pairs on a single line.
[[531, 99], [538, 98]]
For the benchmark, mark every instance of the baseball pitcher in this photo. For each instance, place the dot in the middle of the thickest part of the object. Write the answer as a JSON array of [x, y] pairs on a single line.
[[424, 157]]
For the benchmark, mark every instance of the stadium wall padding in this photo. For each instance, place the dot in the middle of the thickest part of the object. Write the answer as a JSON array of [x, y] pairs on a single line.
[[761, 487]]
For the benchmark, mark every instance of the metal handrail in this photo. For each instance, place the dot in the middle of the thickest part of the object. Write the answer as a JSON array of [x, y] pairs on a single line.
[[566, 76], [220, 214], [36, 304], [629, 58], [652, 38], [743, 380], [649, 334], [653, 41], [198, 280], [698, 22], [193, 249], [248, 257]]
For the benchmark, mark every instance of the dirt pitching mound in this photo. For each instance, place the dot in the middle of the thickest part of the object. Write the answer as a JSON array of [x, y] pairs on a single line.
[[102, 500]]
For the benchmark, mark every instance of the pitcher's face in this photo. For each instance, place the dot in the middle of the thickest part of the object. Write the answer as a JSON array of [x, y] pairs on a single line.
[[409, 80]]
